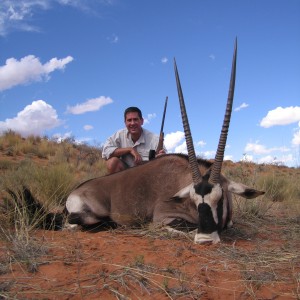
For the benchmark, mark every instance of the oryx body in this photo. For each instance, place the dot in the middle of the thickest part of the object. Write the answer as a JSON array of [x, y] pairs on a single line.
[[139, 194], [157, 192]]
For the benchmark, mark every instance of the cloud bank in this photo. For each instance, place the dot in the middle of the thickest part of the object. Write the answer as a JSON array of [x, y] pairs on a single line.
[[90, 105], [281, 116], [34, 119], [243, 105], [173, 139], [28, 69]]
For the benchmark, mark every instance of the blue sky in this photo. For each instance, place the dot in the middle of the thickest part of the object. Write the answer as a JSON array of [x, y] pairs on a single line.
[[71, 67]]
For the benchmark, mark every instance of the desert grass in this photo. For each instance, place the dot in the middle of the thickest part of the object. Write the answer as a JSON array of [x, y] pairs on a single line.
[[17, 228], [50, 183], [149, 280], [13, 144], [281, 184]]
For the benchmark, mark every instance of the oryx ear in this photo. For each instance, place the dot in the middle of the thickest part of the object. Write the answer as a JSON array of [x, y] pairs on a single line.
[[185, 192], [243, 190]]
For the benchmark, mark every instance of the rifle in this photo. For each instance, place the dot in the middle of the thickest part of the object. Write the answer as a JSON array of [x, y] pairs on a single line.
[[160, 146], [161, 135]]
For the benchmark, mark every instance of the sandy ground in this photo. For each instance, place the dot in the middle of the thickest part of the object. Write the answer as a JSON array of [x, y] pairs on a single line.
[[253, 261]]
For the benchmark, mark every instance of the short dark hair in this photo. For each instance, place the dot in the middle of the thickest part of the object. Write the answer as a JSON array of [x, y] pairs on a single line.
[[132, 109]]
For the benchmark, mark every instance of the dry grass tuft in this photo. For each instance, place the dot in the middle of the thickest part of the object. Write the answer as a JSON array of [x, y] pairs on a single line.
[[22, 247], [144, 279]]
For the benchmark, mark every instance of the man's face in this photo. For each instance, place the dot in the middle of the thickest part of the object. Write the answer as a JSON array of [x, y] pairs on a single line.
[[134, 123]]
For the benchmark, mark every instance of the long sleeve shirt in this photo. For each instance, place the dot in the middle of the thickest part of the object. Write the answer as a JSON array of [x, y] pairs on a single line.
[[122, 139]]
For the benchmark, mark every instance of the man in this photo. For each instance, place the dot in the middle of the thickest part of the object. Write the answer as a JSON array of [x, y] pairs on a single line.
[[130, 146]]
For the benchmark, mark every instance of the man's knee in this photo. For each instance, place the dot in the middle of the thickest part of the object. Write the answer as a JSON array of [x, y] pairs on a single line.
[[114, 165]]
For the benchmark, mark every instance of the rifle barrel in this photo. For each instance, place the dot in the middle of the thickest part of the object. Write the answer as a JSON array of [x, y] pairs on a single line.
[[164, 114]]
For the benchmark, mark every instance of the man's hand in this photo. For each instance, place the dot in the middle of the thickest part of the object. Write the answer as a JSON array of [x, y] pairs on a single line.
[[123, 151], [137, 157], [160, 153]]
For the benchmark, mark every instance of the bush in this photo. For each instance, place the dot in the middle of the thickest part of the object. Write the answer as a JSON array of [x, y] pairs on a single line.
[[50, 184]]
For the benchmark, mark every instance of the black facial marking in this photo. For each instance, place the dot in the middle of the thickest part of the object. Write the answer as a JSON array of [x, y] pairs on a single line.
[[220, 214], [251, 193], [80, 217], [207, 223], [176, 199], [75, 218], [203, 188]]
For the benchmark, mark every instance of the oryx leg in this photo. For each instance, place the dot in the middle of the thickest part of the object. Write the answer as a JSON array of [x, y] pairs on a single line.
[[190, 234]]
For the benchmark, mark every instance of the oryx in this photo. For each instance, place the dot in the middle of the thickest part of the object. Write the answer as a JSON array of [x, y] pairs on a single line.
[[168, 189]]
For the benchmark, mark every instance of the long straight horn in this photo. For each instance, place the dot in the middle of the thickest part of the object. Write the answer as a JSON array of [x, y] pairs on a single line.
[[216, 168], [188, 137]]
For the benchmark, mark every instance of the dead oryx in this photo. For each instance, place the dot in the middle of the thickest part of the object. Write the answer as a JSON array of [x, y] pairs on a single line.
[[166, 190]]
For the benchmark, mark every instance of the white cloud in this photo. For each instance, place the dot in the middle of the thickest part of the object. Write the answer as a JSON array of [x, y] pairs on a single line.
[[212, 56], [173, 139], [287, 158], [61, 137], [90, 105], [15, 15], [269, 159], [28, 69], [18, 14], [88, 6], [296, 138], [261, 149], [209, 154], [274, 155], [34, 119], [243, 105], [175, 142], [201, 144], [281, 116], [12, 14], [282, 160], [228, 157], [181, 148], [55, 63], [70, 2], [149, 118], [88, 127], [164, 60], [114, 39], [247, 157], [256, 148]]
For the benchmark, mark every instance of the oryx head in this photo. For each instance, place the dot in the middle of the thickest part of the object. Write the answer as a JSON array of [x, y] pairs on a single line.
[[206, 190]]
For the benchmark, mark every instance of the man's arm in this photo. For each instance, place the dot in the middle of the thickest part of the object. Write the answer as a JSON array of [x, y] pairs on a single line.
[[123, 151]]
